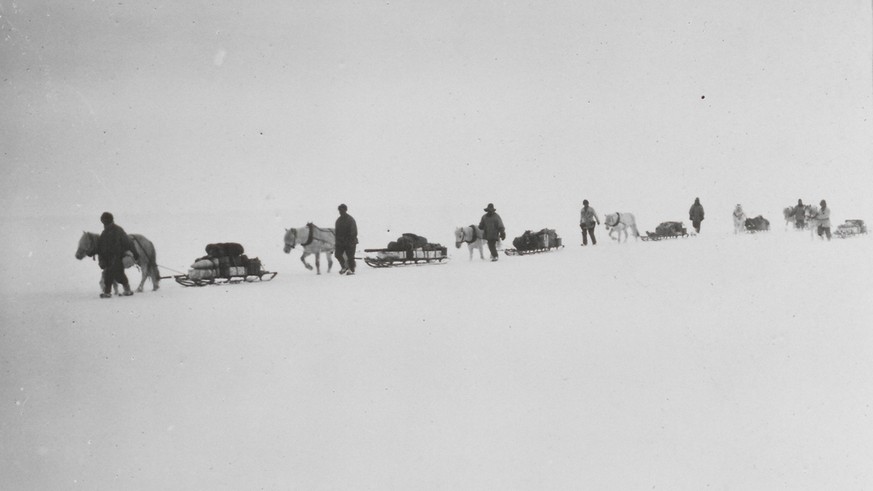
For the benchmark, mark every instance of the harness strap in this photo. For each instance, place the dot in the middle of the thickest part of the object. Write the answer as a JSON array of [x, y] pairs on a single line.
[[309, 239]]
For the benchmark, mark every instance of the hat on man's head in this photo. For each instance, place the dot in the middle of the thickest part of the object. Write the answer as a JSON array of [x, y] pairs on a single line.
[[490, 207], [107, 217], [585, 202], [823, 203], [342, 207]]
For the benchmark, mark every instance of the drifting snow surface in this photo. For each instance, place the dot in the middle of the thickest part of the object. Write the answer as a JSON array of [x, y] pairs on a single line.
[[717, 361]]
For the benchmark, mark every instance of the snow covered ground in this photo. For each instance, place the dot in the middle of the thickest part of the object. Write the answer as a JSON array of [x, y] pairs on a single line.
[[714, 362]]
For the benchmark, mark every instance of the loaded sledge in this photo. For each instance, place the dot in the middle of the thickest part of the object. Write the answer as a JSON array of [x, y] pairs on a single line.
[[531, 242], [408, 249], [666, 230], [757, 224], [224, 263], [851, 228]]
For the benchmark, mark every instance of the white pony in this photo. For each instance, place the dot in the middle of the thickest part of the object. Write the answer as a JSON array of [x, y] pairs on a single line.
[[313, 240], [472, 236], [789, 214], [620, 222], [812, 219], [145, 249], [791, 218], [739, 220]]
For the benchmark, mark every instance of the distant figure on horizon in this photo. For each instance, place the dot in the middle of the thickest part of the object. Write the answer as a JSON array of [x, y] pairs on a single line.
[[695, 214], [739, 219], [587, 221], [492, 229], [824, 220], [112, 245], [799, 215], [346, 240]]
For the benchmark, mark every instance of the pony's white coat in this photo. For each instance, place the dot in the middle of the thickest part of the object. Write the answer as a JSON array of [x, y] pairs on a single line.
[[621, 222], [472, 237], [322, 240]]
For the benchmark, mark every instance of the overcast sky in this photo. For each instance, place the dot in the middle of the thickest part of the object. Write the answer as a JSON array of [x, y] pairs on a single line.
[[440, 107]]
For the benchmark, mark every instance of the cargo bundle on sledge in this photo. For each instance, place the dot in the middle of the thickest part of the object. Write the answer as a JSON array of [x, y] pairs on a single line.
[[851, 228], [531, 242], [666, 230], [408, 249], [224, 263], [757, 224]]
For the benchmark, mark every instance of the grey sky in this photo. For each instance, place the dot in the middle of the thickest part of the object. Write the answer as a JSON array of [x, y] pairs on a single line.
[[155, 105]]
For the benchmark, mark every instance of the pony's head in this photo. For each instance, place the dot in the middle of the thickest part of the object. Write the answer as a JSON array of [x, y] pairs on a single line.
[[459, 237], [87, 245], [290, 239], [610, 220], [811, 211]]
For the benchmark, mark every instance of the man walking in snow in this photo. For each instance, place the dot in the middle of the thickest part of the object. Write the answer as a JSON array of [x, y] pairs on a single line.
[[799, 215], [346, 241], [587, 222], [492, 227], [112, 245], [695, 214], [824, 220]]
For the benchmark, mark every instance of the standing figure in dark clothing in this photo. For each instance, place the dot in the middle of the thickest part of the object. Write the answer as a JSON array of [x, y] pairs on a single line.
[[346, 241], [799, 215], [695, 214], [112, 245], [492, 229], [587, 220]]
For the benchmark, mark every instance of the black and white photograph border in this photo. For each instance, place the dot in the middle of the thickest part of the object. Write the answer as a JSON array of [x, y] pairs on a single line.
[[735, 355]]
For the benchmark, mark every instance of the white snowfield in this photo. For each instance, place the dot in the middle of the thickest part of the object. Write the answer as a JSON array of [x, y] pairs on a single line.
[[712, 362]]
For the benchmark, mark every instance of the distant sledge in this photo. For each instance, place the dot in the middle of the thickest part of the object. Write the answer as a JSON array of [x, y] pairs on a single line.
[[666, 230]]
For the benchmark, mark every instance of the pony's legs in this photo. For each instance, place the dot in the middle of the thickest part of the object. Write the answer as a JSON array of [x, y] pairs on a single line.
[[481, 245], [303, 260], [317, 263], [477, 245], [329, 255], [145, 274]]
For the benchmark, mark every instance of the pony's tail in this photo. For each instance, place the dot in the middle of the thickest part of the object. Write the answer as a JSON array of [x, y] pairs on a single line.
[[154, 272]]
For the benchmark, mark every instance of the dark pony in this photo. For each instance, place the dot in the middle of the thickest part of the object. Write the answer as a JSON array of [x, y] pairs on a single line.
[[147, 262]]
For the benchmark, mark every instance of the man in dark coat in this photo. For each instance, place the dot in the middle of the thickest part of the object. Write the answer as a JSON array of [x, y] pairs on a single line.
[[588, 219], [112, 245], [695, 214], [346, 240], [799, 215], [492, 228]]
